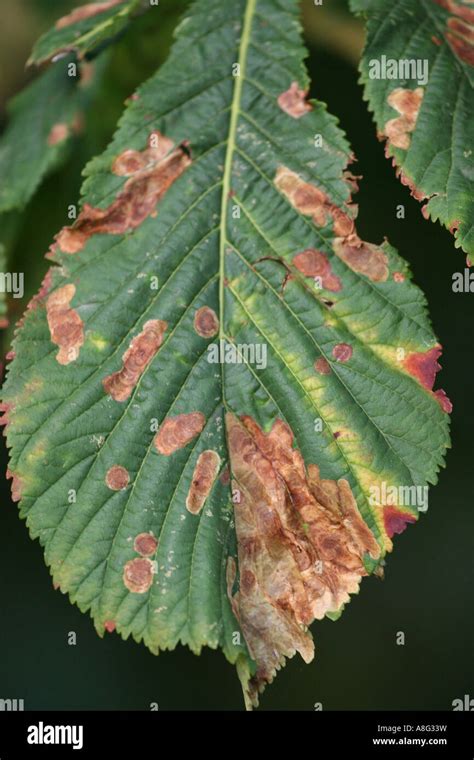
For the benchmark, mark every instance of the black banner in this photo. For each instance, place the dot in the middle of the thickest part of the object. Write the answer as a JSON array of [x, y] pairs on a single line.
[[376, 734]]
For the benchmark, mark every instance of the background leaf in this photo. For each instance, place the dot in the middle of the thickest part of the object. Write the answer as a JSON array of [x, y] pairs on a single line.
[[85, 29], [431, 130], [353, 350]]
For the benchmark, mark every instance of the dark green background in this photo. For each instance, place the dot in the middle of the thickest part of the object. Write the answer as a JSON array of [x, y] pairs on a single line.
[[427, 591]]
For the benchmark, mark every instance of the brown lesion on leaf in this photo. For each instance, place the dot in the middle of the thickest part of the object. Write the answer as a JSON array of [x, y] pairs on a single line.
[[407, 103], [314, 263], [204, 476], [363, 258], [145, 544], [117, 478], [86, 11], [176, 432], [206, 322], [16, 485], [65, 325], [322, 366], [424, 366], [395, 520], [150, 174], [342, 352], [293, 101], [110, 626], [301, 544], [312, 201], [137, 357], [58, 133], [138, 574], [459, 30]]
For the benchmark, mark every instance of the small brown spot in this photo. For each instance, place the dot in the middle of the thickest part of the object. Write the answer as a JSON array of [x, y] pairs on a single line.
[[145, 544], [313, 263], [85, 12], [363, 258], [322, 366], [435, 40], [396, 521], [141, 351], [150, 173], [16, 485], [58, 133], [206, 322], [293, 101], [205, 473], [313, 202], [443, 401], [117, 478], [399, 277], [65, 325], [225, 476], [138, 575], [342, 352], [109, 626], [178, 431], [336, 434], [407, 103], [87, 73]]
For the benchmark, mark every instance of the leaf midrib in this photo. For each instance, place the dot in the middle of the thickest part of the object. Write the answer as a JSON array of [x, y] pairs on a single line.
[[231, 144]]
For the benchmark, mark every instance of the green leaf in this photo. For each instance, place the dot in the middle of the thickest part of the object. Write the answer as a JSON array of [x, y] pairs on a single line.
[[85, 29], [427, 120], [214, 307], [53, 104]]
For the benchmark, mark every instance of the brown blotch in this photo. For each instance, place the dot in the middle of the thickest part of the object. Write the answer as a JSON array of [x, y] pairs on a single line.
[[150, 173], [57, 134], [313, 263], [293, 101], [460, 30], [342, 352], [301, 543], [322, 366], [178, 431], [142, 349], [399, 277], [85, 12], [109, 626], [138, 575], [145, 544], [396, 521], [206, 322], [132, 161], [117, 478], [424, 366], [363, 258], [65, 325], [407, 103], [205, 473], [313, 202]]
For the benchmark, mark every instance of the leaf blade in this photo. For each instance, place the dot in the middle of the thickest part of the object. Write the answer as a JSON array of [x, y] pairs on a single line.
[[434, 158], [205, 255]]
